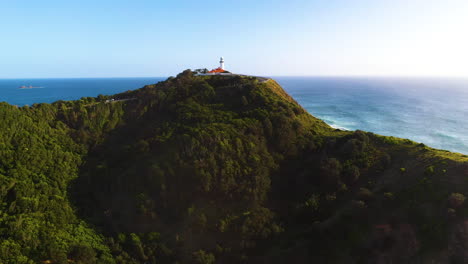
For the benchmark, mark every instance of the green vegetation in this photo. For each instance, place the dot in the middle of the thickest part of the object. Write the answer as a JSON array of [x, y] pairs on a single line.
[[217, 169]]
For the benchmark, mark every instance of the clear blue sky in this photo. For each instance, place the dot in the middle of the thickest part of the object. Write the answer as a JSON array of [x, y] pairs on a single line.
[[102, 38]]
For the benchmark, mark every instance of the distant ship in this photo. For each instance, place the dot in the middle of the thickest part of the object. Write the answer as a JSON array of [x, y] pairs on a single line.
[[28, 87]]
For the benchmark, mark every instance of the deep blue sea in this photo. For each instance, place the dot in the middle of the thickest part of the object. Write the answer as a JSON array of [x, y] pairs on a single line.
[[431, 111], [51, 90]]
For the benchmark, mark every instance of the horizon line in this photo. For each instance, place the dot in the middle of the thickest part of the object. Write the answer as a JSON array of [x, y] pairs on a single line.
[[260, 75]]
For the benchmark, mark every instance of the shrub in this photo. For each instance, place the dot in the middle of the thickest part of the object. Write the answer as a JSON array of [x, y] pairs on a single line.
[[386, 160], [83, 254], [389, 196], [456, 200], [451, 212], [330, 197], [313, 202], [202, 257], [365, 194], [331, 170], [358, 204], [353, 147], [351, 173], [429, 170]]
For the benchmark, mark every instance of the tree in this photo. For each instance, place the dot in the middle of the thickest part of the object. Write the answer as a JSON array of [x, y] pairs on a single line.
[[330, 173], [351, 173], [83, 254], [202, 71]]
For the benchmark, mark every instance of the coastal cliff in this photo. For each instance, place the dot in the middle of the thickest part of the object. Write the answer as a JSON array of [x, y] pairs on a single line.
[[219, 169]]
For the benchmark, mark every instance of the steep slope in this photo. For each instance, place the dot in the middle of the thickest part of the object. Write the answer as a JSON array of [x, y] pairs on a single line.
[[38, 159], [219, 169]]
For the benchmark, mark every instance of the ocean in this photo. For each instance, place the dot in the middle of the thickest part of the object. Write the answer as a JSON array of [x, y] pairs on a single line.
[[428, 110], [51, 90], [431, 111]]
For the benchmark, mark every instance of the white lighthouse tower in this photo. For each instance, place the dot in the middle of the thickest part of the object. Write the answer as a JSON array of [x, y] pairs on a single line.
[[221, 63]]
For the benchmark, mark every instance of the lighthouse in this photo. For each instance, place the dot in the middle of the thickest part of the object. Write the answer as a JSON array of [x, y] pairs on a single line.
[[221, 63], [220, 69]]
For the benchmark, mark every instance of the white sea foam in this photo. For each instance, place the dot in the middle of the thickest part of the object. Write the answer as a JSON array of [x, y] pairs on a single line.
[[339, 127]]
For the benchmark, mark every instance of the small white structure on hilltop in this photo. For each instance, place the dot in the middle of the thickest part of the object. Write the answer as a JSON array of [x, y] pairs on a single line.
[[220, 69], [221, 63]]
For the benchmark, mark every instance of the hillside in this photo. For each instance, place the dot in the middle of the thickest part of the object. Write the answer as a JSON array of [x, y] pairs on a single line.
[[219, 169]]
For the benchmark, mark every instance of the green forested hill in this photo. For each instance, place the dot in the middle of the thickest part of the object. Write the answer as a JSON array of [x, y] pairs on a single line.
[[219, 169]]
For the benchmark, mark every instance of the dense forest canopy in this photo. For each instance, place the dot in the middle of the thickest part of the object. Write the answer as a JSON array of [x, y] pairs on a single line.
[[219, 169]]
